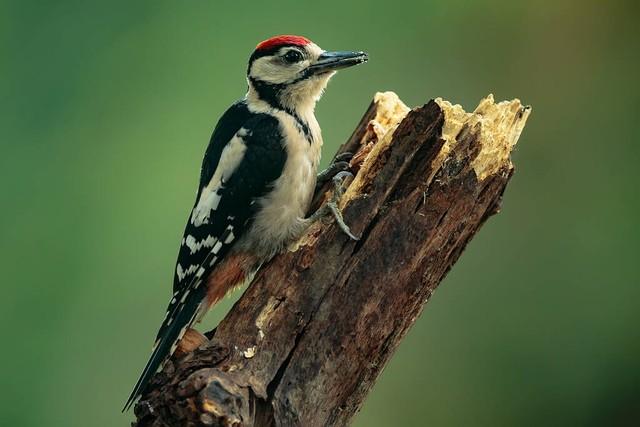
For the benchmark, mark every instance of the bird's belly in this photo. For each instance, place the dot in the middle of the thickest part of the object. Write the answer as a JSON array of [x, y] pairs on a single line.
[[280, 218]]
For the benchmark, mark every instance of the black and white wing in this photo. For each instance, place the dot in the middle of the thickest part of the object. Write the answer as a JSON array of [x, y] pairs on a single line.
[[244, 157]]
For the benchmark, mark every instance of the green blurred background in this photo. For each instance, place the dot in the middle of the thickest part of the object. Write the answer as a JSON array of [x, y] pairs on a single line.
[[107, 108]]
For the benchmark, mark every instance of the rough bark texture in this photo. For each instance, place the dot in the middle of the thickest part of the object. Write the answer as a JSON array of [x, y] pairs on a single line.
[[307, 340]]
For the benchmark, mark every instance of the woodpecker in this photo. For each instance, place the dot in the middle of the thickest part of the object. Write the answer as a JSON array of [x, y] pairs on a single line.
[[257, 179]]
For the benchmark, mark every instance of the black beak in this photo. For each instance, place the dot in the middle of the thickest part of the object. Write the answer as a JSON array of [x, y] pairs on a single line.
[[332, 61]]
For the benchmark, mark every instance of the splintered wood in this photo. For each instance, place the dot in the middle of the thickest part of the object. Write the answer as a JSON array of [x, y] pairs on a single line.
[[501, 125], [308, 338]]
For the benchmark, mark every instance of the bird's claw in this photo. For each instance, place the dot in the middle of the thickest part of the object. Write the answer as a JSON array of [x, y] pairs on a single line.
[[338, 184], [332, 206], [339, 164], [344, 157]]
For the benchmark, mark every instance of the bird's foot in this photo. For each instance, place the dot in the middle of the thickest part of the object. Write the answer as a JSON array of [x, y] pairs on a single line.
[[339, 164], [331, 206]]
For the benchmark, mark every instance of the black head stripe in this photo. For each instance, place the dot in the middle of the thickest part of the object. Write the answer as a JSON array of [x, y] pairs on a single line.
[[259, 53], [270, 93]]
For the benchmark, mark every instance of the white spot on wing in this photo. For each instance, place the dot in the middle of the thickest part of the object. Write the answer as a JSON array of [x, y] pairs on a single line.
[[217, 247], [182, 274], [184, 296], [194, 246], [230, 158]]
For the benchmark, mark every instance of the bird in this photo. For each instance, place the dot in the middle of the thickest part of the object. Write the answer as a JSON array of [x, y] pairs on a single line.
[[257, 179]]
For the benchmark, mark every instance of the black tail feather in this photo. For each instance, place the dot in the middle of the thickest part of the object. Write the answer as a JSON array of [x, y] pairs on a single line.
[[182, 312]]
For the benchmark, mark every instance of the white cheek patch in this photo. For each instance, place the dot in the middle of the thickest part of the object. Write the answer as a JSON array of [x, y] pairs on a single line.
[[231, 156], [271, 70]]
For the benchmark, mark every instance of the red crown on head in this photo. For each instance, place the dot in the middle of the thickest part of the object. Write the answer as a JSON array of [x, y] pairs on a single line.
[[283, 40]]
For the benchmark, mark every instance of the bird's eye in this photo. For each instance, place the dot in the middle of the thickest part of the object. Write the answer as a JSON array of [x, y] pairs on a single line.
[[293, 56]]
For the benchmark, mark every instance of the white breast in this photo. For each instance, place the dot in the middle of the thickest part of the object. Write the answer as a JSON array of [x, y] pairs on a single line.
[[282, 211]]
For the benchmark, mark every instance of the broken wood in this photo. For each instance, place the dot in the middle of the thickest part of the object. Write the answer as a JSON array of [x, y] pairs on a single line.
[[307, 340]]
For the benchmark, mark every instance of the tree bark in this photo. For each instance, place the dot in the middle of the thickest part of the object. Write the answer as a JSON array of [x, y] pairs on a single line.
[[307, 340]]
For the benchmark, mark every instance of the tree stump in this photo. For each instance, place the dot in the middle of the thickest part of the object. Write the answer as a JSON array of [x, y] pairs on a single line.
[[307, 340]]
